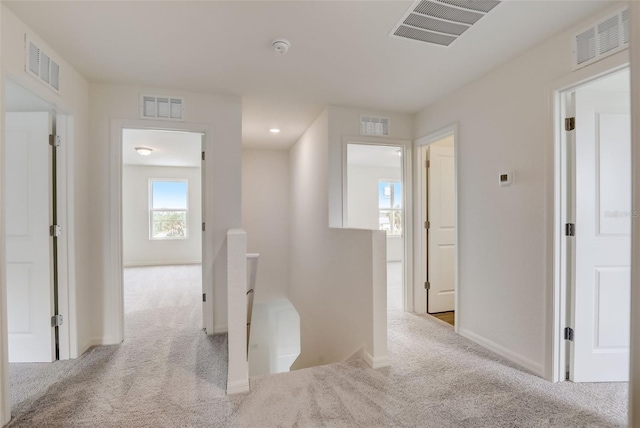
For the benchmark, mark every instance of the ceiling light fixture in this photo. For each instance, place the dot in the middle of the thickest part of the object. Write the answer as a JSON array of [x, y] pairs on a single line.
[[274, 130], [144, 151]]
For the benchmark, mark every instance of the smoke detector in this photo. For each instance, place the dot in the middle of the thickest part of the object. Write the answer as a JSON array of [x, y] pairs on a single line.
[[281, 46]]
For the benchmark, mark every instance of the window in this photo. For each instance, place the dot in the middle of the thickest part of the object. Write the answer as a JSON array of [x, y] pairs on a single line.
[[390, 206], [168, 209]]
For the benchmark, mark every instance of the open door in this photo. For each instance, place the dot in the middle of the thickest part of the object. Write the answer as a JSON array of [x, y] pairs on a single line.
[[441, 229], [599, 351], [27, 186]]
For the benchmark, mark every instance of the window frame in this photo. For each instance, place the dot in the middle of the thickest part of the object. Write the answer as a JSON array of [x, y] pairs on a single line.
[[391, 209], [152, 210]]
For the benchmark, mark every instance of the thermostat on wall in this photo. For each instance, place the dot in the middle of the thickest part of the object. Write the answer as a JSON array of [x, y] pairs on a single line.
[[505, 179]]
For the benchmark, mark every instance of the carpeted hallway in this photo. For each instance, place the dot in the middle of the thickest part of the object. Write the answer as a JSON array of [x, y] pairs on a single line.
[[169, 374]]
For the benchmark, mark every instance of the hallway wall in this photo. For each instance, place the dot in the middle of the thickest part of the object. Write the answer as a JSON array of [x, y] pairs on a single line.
[[266, 216], [222, 114], [73, 98], [506, 269], [338, 276]]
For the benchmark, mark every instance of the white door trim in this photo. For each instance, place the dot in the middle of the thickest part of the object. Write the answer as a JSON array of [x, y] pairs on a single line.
[[405, 146], [557, 264], [420, 238], [114, 300]]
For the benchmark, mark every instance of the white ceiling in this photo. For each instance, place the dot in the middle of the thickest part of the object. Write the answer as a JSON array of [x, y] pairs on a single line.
[[341, 52], [169, 148], [374, 156]]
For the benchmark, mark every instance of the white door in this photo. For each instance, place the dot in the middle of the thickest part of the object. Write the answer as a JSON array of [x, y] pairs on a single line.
[[441, 231], [28, 246], [601, 290]]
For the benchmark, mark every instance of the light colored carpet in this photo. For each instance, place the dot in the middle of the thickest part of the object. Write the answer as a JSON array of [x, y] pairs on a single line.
[[169, 374]]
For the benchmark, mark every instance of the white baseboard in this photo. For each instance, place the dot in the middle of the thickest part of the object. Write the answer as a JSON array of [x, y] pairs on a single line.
[[377, 362], [238, 387], [147, 264], [524, 362], [218, 329]]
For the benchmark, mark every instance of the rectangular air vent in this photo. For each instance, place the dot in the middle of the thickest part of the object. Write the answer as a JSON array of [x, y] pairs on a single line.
[[441, 22], [373, 125], [161, 107], [604, 38], [41, 66]]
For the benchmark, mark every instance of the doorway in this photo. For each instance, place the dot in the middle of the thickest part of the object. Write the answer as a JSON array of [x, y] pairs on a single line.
[[161, 225], [40, 314], [375, 200], [437, 292], [596, 242]]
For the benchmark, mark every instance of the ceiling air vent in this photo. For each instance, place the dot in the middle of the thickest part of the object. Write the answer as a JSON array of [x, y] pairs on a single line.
[[41, 66], [373, 125], [161, 107], [604, 38], [441, 22]]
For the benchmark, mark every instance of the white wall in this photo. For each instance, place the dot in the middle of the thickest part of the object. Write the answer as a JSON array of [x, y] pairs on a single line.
[[506, 259], [72, 99], [222, 115], [634, 387], [344, 124], [138, 249], [362, 202], [266, 219], [336, 284]]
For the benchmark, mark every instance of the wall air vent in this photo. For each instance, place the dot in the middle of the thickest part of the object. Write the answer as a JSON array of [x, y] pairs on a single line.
[[604, 38], [41, 66], [441, 22], [161, 107], [373, 125]]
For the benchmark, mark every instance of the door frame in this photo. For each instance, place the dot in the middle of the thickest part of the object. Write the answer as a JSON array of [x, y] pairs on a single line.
[[562, 263], [405, 146], [420, 238], [114, 299]]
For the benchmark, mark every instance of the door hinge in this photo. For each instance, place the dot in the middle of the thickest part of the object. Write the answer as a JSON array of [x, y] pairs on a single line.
[[427, 285], [427, 224], [55, 230], [204, 297], [570, 229], [203, 155], [54, 140], [570, 124], [568, 333], [427, 163], [56, 320], [203, 227]]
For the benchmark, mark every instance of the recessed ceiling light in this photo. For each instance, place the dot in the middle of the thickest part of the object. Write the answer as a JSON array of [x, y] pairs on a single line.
[[144, 151], [274, 130]]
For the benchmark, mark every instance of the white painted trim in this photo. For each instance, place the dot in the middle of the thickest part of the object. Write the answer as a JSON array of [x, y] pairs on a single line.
[[219, 329], [407, 180], [557, 260], [420, 275], [238, 387], [376, 363], [160, 263], [524, 362], [68, 338], [114, 301], [5, 395]]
